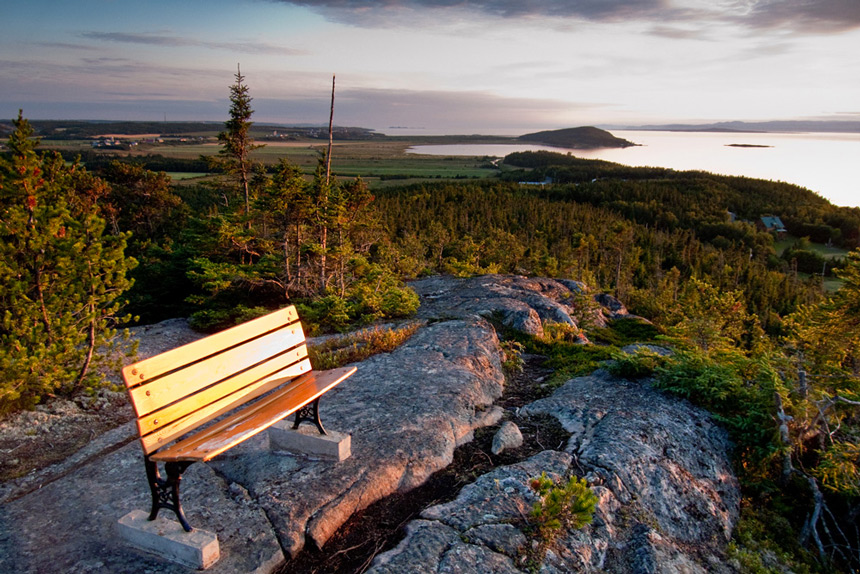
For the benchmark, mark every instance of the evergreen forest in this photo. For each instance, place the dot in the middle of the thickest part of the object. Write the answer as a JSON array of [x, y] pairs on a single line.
[[767, 339]]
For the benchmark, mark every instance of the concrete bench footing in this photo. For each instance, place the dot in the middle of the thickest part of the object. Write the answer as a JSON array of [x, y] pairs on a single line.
[[307, 440], [166, 538]]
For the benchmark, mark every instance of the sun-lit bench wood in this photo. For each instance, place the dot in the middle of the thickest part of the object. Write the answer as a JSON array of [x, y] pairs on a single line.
[[177, 392]]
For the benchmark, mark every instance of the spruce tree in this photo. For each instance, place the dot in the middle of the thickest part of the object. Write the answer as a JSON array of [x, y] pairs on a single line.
[[237, 143]]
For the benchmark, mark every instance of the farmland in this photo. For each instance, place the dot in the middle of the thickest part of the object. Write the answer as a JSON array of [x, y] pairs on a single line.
[[379, 161]]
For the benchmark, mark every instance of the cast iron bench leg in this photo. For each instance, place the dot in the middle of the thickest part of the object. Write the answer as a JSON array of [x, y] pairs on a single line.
[[310, 412], [165, 493]]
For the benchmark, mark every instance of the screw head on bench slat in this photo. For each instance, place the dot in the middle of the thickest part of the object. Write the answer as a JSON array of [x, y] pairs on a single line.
[[134, 371]]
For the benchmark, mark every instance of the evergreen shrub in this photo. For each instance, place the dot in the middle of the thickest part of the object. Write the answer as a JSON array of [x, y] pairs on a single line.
[[61, 277]]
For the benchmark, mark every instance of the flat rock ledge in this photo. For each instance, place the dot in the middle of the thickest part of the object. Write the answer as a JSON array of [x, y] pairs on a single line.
[[667, 497]]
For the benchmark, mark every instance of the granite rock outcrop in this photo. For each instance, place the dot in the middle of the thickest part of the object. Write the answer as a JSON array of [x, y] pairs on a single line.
[[667, 496]]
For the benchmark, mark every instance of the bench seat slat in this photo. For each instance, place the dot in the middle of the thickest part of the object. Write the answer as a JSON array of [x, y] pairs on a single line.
[[170, 360], [253, 419]]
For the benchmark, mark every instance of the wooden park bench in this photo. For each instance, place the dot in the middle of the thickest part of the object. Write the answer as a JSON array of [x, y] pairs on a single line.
[[177, 392]]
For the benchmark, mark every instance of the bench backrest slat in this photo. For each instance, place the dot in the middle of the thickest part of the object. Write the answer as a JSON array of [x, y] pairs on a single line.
[[189, 379], [290, 364], [158, 438], [152, 367], [181, 389]]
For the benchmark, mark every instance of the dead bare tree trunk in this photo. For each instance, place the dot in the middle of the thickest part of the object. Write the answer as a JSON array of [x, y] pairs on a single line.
[[91, 331], [330, 135], [802, 386], [324, 232], [288, 276], [300, 276], [810, 528], [785, 439]]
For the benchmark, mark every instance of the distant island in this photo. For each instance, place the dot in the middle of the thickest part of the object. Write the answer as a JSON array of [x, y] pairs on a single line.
[[747, 145], [577, 138]]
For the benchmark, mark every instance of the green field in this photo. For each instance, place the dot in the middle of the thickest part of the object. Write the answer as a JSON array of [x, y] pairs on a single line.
[[830, 284], [184, 175], [380, 163], [825, 251]]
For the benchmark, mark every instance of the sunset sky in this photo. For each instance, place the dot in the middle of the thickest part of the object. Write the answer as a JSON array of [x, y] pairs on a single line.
[[492, 66]]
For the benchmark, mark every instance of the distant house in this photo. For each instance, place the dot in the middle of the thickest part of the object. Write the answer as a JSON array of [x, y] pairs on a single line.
[[772, 224], [546, 181], [105, 142]]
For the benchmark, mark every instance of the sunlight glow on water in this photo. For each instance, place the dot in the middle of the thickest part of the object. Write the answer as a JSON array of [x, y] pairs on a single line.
[[823, 162]]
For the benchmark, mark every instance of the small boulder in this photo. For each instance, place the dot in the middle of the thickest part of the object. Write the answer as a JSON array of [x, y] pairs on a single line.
[[613, 306], [524, 320], [575, 287], [507, 437]]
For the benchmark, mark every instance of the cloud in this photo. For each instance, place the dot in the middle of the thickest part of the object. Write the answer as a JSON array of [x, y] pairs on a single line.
[[435, 111], [131, 110], [676, 33], [370, 13], [69, 46], [806, 16], [127, 38], [813, 16], [449, 112], [176, 41], [105, 61], [94, 79]]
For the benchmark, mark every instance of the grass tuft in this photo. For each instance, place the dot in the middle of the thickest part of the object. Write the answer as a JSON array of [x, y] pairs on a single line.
[[354, 347]]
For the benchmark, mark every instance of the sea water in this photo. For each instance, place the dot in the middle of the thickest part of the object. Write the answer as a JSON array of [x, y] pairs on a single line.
[[825, 163]]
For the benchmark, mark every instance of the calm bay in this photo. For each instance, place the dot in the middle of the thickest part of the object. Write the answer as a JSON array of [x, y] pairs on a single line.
[[825, 163]]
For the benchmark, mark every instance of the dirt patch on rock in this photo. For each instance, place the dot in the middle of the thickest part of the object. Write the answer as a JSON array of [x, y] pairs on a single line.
[[56, 429], [31, 440]]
